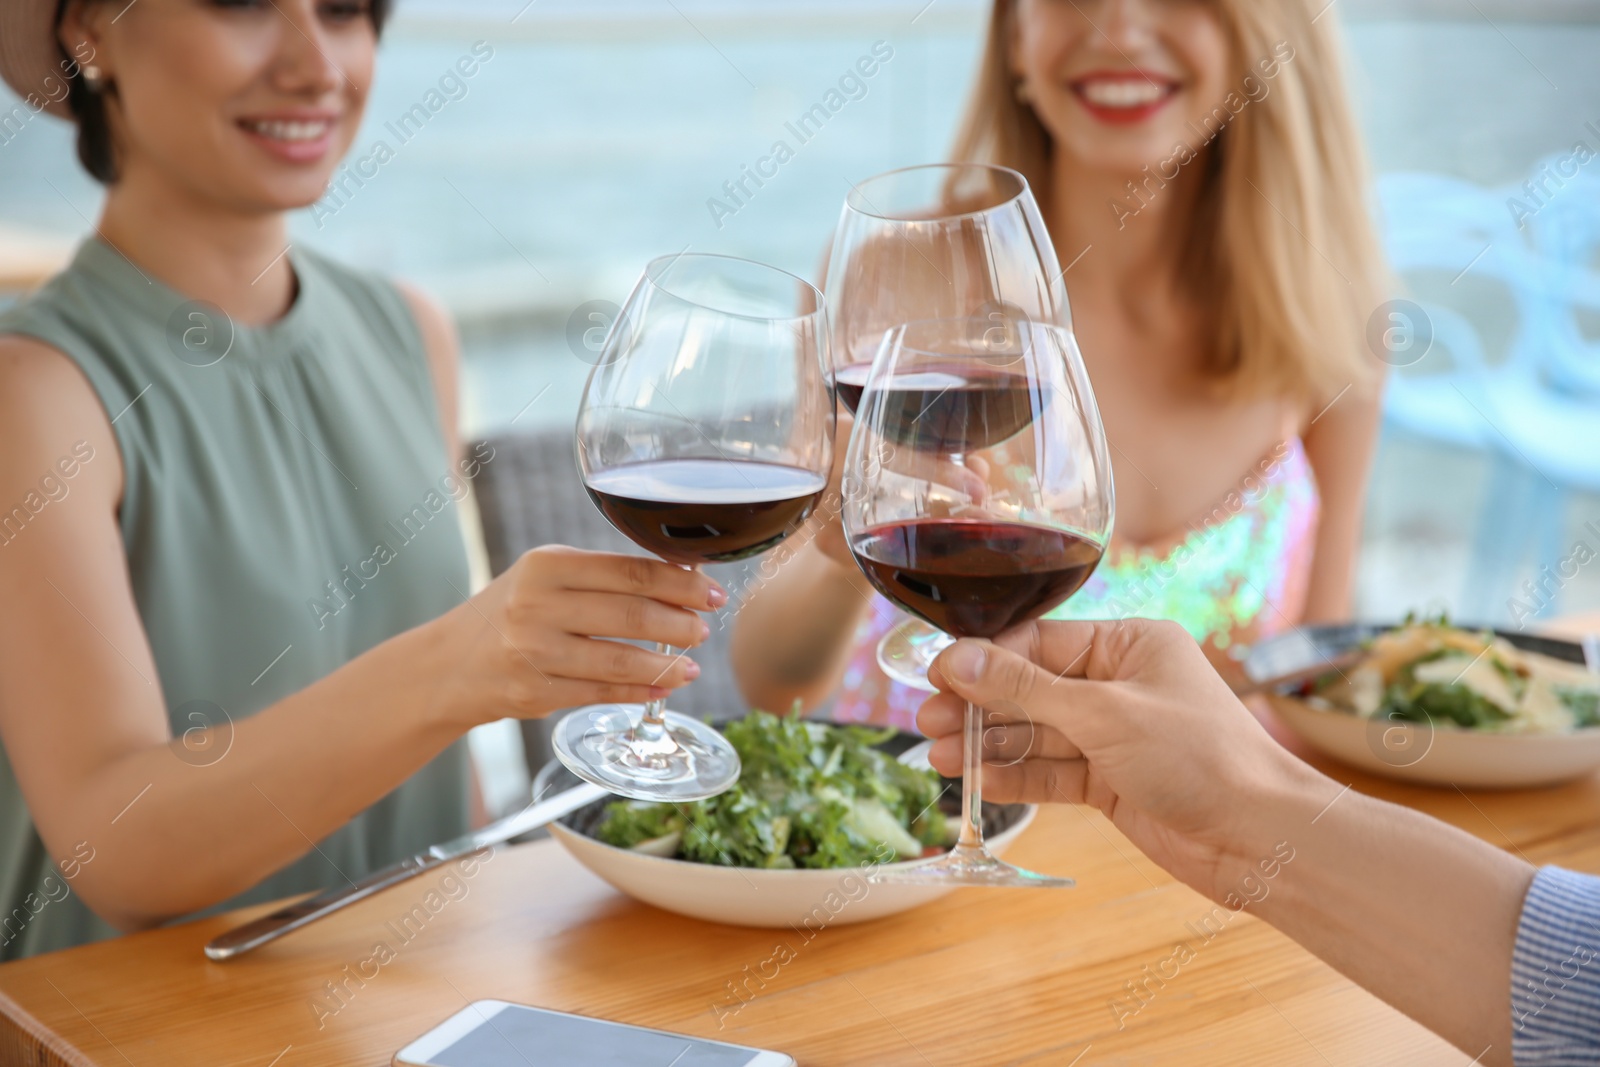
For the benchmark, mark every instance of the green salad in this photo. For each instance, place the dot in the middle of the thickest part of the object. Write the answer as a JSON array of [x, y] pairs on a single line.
[[1431, 672], [809, 795]]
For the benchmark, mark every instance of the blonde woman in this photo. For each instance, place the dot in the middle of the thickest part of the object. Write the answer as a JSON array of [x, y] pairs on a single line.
[[1200, 172]]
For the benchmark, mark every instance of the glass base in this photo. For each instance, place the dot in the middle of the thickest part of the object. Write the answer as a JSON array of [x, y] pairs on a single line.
[[686, 761], [968, 866], [907, 651]]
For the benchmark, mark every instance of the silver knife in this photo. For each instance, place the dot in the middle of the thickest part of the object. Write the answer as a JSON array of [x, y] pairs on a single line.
[[1303, 674], [258, 932]]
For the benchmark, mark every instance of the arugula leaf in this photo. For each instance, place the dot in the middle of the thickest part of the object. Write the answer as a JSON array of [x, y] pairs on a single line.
[[629, 822], [1430, 701], [1584, 704]]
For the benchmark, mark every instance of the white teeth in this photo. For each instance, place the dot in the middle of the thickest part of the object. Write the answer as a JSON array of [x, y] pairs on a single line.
[[290, 131], [1122, 93]]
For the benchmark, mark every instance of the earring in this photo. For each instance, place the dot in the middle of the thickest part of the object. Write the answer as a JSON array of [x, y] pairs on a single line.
[[92, 76]]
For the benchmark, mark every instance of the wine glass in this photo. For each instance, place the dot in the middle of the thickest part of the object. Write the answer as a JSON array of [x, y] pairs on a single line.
[[953, 240], [705, 435], [977, 495]]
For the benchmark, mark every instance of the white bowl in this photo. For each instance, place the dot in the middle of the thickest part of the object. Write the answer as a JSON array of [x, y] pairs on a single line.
[[1420, 752], [744, 896], [1441, 755]]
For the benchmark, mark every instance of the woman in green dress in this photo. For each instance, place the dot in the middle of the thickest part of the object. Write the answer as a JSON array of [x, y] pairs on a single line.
[[238, 647]]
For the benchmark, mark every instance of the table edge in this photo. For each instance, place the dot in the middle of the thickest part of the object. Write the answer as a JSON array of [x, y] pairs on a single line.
[[28, 1041]]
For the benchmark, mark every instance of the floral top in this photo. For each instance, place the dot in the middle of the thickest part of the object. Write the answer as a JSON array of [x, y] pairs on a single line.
[[1238, 575]]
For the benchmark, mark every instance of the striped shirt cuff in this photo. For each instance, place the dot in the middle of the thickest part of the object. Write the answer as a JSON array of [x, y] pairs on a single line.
[[1555, 972]]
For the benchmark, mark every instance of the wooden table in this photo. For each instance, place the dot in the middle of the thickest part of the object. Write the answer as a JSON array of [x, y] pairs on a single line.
[[981, 977]]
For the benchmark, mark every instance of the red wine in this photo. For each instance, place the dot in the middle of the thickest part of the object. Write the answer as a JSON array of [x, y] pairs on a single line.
[[970, 577], [959, 408], [847, 383], [705, 510]]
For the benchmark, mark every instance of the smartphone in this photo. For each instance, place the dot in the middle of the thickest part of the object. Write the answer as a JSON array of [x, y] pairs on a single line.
[[493, 1033]]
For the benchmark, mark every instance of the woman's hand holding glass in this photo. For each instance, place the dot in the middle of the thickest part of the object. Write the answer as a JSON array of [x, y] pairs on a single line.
[[960, 240], [957, 489], [705, 435], [548, 633]]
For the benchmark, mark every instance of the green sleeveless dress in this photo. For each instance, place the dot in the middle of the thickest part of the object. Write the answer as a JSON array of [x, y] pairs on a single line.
[[288, 504]]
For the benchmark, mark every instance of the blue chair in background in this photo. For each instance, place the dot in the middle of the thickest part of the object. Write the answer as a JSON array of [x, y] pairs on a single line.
[[1535, 411]]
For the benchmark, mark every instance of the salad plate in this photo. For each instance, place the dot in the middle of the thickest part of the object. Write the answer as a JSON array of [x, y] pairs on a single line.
[[819, 808], [1439, 704]]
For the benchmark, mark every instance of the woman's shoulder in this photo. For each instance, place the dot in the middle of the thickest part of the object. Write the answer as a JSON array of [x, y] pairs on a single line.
[[41, 344], [65, 296], [442, 348], [48, 409], [414, 323], [376, 295], [31, 366]]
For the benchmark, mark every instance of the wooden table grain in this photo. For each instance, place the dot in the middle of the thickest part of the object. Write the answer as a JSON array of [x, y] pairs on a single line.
[[980, 977]]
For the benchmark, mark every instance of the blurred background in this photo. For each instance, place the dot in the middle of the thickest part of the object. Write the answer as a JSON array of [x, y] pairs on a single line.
[[594, 136]]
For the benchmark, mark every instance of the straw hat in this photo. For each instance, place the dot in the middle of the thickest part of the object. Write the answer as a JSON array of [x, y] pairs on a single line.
[[30, 59]]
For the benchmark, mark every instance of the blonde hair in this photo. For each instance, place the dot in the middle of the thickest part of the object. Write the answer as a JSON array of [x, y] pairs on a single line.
[[1282, 251]]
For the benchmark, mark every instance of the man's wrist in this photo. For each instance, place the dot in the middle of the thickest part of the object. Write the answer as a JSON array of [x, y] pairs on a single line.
[[1273, 812]]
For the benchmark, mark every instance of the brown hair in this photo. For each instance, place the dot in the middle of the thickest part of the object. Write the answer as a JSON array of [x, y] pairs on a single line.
[[96, 151], [1282, 251]]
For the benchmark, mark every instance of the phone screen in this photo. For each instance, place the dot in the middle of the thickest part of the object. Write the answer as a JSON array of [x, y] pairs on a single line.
[[518, 1037]]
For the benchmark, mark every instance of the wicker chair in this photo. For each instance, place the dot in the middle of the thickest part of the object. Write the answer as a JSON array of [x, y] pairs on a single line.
[[529, 494]]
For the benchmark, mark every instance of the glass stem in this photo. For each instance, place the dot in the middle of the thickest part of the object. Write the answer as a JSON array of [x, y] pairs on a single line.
[[972, 781], [651, 726], [649, 739], [651, 729]]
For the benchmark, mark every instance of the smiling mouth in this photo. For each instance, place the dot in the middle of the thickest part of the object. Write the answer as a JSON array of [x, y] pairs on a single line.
[[289, 132], [1123, 97]]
